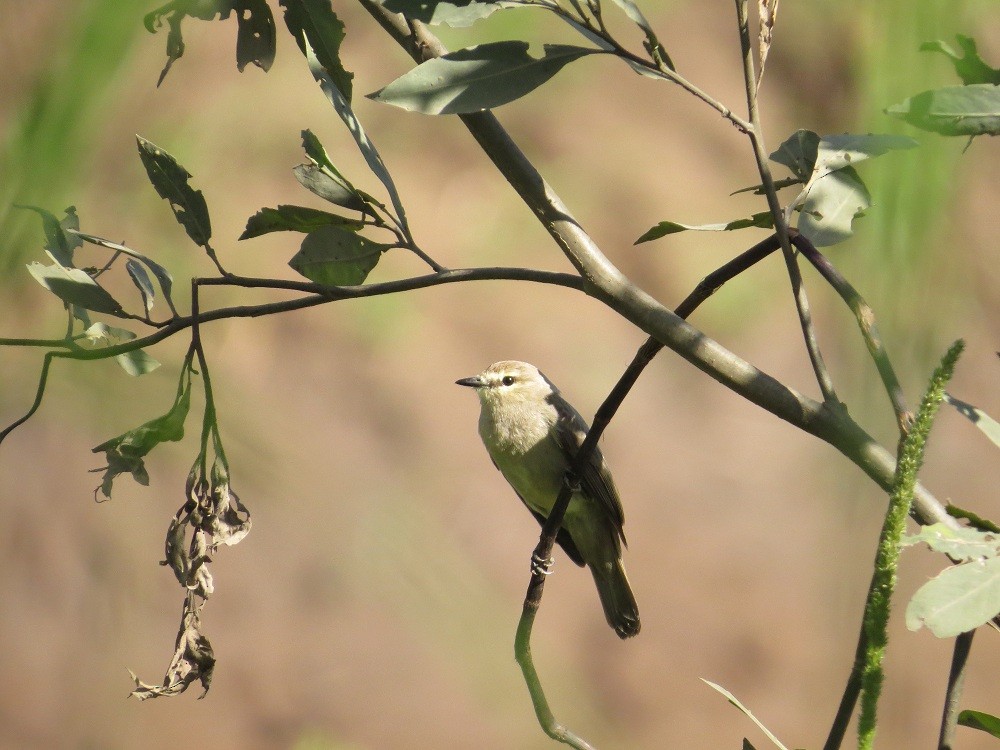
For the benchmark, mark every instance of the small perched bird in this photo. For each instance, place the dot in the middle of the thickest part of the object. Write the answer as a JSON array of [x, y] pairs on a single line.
[[533, 434]]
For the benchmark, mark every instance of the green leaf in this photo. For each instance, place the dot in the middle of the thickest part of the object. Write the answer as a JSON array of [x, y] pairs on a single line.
[[170, 180], [974, 520], [835, 152], [477, 78], [125, 453], [162, 275], [75, 287], [59, 240], [255, 35], [959, 599], [372, 157], [969, 66], [982, 420], [763, 220], [315, 20], [798, 153], [832, 203], [142, 282], [137, 362], [334, 256], [954, 110], [322, 183], [979, 720], [294, 219], [103, 334], [746, 711], [959, 544], [454, 13]]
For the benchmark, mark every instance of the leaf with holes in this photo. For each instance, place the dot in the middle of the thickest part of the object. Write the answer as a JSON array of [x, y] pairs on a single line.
[[958, 599], [170, 180]]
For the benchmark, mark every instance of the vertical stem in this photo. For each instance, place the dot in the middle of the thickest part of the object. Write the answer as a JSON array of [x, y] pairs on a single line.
[[767, 180], [956, 681]]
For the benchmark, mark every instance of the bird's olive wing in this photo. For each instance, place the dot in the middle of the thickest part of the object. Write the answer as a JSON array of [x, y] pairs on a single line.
[[595, 478]]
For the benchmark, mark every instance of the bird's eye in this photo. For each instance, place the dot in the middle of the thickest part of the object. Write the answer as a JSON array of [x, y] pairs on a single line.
[[508, 380]]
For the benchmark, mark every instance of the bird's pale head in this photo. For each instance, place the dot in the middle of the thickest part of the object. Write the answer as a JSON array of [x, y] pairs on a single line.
[[510, 382]]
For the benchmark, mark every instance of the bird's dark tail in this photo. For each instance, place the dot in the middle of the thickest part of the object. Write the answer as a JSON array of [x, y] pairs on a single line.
[[616, 597]]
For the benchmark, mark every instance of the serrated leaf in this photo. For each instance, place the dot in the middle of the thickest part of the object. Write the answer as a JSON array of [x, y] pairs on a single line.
[[125, 453], [831, 205], [959, 599], [989, 426], [255, 35], [75, 287], [294, 219], [315, 20], [953, 110], [763, 220], [477, 78], [137, 363], [59, 240], [170, 180], [969, 66], [142, 282], [798, 153], [320, 182], [335, 256], [981, 721], [454, 13], [959, 544]]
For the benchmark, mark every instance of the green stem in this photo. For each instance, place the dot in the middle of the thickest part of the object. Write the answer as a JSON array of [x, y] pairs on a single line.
[[876, 617]]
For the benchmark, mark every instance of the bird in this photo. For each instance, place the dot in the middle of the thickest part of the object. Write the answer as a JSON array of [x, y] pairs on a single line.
[[533, 434]]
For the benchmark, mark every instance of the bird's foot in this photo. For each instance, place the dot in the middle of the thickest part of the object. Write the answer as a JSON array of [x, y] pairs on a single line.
[[540, 566]]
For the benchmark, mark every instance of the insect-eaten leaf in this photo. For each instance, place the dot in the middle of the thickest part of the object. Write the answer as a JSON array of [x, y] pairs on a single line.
[[959, 544], [294, 219], [969, 66], [798, 153], [831, 205], [325, 184], [126, 452], [953, 110], [454, 13], [60, 241], [255, 35], [477, 78], [763, 220], [170, 180], [959, 599], [315, 21], [337, 257], [75, 287]]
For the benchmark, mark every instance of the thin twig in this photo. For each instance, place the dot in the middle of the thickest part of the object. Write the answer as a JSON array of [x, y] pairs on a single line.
[[956, 681], [866, 322], [781, 226]]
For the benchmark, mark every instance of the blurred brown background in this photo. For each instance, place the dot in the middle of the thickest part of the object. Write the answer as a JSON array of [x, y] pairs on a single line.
[[374, 603]]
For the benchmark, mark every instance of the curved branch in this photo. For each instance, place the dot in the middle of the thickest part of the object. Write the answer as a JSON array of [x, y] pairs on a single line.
[[605, 282]]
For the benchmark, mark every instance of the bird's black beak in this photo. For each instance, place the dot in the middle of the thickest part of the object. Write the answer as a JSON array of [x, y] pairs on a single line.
[[473, 382]]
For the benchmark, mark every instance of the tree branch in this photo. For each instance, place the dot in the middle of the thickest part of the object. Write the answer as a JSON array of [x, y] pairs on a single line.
[[603, 281]]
